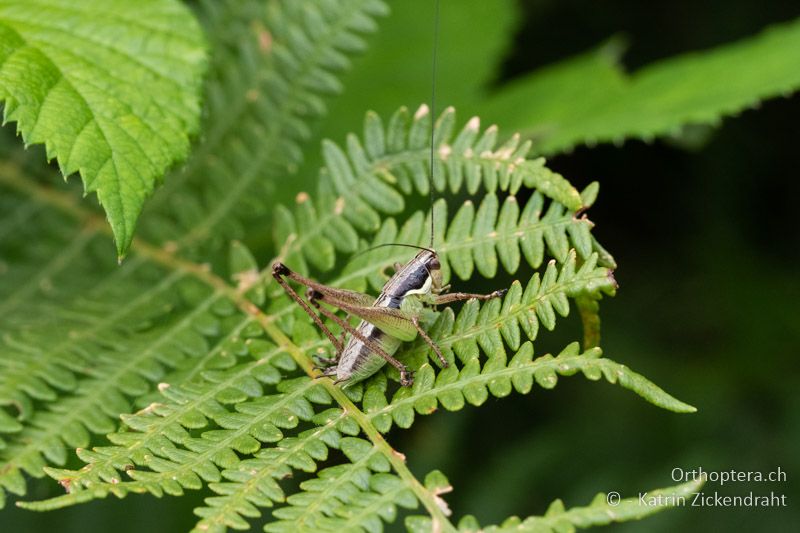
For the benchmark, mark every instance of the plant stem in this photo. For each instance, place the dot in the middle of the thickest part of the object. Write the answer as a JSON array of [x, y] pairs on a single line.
[[397, 459]]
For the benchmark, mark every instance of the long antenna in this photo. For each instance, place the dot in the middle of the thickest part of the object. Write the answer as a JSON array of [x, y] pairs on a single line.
[[433, 100], [362, 252]]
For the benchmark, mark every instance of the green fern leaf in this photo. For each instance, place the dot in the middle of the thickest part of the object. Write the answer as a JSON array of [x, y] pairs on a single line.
[[232, 418], [499, 376], [161, 456], [361, 493], [373, 177], [225, 409], [111, 89]]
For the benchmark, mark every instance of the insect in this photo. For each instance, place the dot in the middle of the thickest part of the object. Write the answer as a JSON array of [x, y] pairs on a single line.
[[389, 320]]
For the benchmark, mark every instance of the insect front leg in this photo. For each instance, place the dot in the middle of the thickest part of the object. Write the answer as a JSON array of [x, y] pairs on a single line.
[[343, 335], [325, 364], [458, 296]]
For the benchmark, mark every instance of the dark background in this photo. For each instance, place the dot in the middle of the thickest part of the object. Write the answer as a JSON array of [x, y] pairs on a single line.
[[707, 308]]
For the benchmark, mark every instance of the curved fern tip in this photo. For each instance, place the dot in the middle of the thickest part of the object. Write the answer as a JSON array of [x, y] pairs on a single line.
[[59, 502], [677, 406]]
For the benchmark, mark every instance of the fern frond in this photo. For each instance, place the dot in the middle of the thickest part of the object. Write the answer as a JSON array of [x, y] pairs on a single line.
[[171, 460], [191, 406], [36, 366], [62, 374], [99, 390], [474, 327], [252, 484], [360, 493], [161, 456], [400, 153], [473, 383], [214, 422], [34, 369], [178, 461], [373, 177], [221, 370]]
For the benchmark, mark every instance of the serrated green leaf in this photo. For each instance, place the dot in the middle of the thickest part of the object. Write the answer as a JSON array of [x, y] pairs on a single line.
[[109, 96], [560, 110]]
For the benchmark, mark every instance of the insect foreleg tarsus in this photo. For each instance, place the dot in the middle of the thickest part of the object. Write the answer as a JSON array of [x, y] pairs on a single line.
[[459, 296]]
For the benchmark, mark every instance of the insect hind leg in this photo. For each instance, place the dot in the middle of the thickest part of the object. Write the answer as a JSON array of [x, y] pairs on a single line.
[[279, 271], [422, 333], [406, 376], [339, 298]]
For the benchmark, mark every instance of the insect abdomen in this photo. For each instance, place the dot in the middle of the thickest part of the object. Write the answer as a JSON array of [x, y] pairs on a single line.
[[357, 361]]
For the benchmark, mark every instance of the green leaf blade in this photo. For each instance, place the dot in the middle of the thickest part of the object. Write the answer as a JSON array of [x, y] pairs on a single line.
[[588, 99], [111, 90]]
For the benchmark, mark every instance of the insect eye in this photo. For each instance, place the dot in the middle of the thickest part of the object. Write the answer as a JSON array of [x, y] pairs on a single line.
[[435, 265]]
